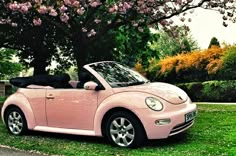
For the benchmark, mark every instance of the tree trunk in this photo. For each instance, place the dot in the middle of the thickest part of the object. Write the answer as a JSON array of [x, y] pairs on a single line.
[[81, 55], [39, 68], [40, 61], [80, 51]]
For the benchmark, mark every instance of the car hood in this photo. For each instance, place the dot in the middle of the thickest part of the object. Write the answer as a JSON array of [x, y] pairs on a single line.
[[167, 92]]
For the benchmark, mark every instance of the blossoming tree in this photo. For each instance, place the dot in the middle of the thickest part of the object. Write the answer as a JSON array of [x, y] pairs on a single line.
[[84, 22]]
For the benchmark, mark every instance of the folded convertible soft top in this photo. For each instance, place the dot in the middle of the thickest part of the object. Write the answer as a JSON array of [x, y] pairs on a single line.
[[56, 81]]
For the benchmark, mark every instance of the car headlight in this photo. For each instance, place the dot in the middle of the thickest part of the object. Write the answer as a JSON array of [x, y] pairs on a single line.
[[154, 104]]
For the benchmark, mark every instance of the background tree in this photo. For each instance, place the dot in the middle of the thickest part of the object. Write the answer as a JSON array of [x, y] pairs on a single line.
[[7, 67], [132, 46], [84, 23], [214, 42], [36, 46], [172, 42]]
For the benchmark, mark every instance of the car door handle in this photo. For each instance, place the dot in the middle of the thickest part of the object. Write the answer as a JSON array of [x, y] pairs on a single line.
[[50, 96]]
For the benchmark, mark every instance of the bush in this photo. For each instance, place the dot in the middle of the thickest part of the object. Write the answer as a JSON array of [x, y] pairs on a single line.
[[193, 89], [2, 99], [228, 71], [190, 67], [211, 91]]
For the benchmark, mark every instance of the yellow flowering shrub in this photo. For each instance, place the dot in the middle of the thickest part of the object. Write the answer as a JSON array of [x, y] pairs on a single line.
[[139, 68], [193, 66]]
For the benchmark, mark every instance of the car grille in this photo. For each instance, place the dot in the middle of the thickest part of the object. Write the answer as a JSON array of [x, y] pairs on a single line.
[[177, 129]]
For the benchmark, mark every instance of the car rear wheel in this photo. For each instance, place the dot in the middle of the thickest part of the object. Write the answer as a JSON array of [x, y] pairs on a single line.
[[123, 129], [15, 121]]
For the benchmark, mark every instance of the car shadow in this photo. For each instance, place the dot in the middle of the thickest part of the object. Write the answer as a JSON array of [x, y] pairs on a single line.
[[181, 138]]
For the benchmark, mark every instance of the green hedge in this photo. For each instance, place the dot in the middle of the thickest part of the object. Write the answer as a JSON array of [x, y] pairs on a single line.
[[211, 91], [2, 99]]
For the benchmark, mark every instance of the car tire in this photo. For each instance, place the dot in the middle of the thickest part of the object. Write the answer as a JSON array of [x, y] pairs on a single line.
[[123, 129], [15, 121]]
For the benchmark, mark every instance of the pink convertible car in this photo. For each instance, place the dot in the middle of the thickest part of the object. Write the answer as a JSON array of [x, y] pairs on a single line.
[[110, 100]]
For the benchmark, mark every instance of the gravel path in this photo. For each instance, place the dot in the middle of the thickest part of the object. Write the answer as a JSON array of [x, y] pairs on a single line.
[[8, 151]]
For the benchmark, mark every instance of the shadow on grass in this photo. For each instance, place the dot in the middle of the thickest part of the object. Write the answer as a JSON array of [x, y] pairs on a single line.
[[181, 138]]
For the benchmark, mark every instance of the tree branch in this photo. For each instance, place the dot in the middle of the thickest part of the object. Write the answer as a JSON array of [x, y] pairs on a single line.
[[178, 12]]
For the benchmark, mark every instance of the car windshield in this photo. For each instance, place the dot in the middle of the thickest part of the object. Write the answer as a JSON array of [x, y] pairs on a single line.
[[118, 75]]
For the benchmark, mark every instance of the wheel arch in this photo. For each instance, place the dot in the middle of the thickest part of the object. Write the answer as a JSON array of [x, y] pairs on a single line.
[[23, 104], [116, 109]]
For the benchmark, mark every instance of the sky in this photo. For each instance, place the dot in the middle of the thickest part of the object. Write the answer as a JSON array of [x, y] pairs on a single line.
[[207, 24]]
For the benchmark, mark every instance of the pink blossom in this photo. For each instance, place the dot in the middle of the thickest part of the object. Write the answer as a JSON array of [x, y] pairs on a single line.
[[8, 21], [84, 29], [14, 6], [37, 1], [2, 22], [182, 19], [50, 8], [140, 29], [164, 22], [126, 5], [97, 21], [91, 33], [53, 12], [135, 24], [95, 4], [63, 9], [24, 9], [43, 9], [80, 11], [28, 4], [141, 20], [222, 11], [140, 2], [67, 2], [14, 24], [76, 3], [225, 18], [37, 22], [179, 2], [113, 9], [225, 24], [64, 17]]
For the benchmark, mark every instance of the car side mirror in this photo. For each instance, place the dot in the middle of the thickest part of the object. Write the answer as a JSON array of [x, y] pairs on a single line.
[[90, 85]]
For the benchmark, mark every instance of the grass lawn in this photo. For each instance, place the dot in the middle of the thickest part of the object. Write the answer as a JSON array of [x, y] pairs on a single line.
[[214, 133]]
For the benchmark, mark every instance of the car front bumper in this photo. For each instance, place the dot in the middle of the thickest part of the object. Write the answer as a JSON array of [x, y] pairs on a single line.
[[170, 121]]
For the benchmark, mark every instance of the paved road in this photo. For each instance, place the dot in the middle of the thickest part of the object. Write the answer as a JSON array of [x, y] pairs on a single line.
[[7, 151]]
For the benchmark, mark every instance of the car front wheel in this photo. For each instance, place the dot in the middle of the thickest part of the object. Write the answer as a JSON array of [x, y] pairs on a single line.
[[15, 121], [123, 129]]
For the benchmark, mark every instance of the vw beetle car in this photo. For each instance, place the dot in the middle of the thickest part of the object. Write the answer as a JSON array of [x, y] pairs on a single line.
[[110, 100]]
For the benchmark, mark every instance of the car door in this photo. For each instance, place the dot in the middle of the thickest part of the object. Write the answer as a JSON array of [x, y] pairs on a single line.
[[71, 108]]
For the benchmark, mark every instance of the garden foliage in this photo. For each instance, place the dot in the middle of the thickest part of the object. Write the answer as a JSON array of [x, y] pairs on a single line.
[[207, 75], [211, 64], [211, 91]]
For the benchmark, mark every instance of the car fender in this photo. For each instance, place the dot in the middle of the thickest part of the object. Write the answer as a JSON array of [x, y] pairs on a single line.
[[128, 100], [19, 100]]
